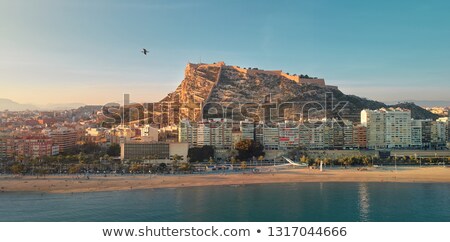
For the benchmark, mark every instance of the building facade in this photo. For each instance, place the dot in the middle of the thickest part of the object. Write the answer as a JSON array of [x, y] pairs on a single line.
[[65, 138], [387, 128]]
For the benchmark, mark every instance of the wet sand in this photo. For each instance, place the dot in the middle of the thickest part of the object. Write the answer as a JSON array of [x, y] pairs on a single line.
[[73, 184]]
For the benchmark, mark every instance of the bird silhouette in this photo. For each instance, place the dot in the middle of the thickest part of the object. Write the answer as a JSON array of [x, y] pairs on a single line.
[[145, 51]]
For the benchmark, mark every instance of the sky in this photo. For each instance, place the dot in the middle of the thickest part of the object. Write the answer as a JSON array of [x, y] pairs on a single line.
[[88, 51]]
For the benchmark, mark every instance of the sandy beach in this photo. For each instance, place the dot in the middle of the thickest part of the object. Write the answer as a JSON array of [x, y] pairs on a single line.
[[74, 184]]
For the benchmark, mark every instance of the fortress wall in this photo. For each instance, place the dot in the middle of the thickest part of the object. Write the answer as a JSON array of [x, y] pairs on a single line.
[[292, 78], [319, 82]]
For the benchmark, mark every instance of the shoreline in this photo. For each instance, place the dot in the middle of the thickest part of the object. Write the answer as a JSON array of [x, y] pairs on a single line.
[[98, 183]]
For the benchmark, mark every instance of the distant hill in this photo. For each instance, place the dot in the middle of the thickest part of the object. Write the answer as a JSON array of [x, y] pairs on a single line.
[[7, 104], [426, 103], [61, 106], [416, 111]]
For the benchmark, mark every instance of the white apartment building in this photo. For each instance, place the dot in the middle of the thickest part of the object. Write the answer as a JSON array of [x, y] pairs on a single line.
[[187, 132], [397, 128], [288, 135], [438, 134], [214, 132], [304, 135], [374, 121], [271, 138], [317, 137], [387, 128], [416, 134], [247, 129]]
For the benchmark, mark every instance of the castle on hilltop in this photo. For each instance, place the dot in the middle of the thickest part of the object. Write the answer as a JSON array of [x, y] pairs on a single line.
[[300, 79]]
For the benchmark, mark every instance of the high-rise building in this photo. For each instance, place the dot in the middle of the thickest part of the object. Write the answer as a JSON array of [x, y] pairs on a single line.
[[426, 133], [215, 132], [187, 132], [446, 121], [348, 135], [29, 146], [126, 99], [416, 134], [317, 136], [360, 136], [438, 136], [387, 128], [328, 134], [3, 150], [259, 135], [304, 135], [271, 138], [65, 138], [288, 135], [247, 129], [397, 128], [374, 121]]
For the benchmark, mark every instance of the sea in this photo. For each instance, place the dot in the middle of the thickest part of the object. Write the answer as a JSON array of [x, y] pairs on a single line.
[[287, 202]]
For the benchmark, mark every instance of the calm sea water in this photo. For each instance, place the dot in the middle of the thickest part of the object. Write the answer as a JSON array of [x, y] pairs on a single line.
[[269, 202]]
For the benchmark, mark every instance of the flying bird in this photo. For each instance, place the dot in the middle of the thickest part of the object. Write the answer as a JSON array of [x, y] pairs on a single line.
[[145, 51]]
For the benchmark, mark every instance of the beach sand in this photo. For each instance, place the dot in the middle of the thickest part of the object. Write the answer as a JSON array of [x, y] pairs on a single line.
[[74, 184]]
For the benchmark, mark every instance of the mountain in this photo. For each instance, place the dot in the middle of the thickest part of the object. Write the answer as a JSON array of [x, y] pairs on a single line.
[[61, 106], [7, 104], [427, 103], [219, 85]]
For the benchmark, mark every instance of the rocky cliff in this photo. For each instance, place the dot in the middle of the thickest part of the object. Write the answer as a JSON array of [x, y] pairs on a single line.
[[234, 87]]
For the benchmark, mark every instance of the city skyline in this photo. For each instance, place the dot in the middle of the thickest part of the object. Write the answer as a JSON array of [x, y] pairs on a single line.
[[66, 52]]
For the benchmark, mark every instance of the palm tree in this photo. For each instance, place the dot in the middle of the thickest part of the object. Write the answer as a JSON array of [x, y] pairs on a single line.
[[304, 159], [211, 160], [233, 160], [59, 160], [260, 159], [175, 158], [317, 161], [185, 166], [366, 160]]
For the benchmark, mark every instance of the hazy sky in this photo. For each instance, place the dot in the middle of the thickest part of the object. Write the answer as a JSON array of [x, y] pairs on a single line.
[[57, 51]]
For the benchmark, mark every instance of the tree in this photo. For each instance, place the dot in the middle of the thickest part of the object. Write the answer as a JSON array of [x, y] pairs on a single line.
[[348, 161], [162, 167], [81, 158], [200, 153], [304, 159], [233, 160], [135, 167], [260, 159], [185, 166], [317, 161], [211, 161], [42, 171], [113, 150], [249, 148], [18, 169], [176, 159], [75, 169], [366, 160]]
